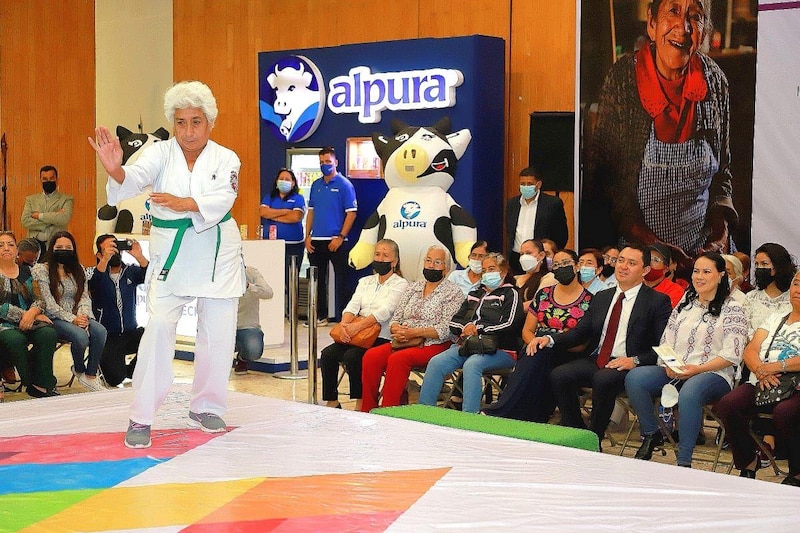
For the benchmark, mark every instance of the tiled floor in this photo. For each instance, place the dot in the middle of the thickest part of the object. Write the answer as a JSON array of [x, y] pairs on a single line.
[[297, 390]]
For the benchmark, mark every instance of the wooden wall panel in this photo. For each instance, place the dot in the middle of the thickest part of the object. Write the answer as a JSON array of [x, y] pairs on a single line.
[[218, 42], [47, 94]]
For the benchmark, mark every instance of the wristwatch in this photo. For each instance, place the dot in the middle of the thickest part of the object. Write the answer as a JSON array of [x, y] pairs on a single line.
[[636, 360]]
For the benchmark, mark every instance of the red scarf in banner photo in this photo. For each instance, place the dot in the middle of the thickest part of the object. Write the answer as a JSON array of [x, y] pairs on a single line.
[[670, 103]]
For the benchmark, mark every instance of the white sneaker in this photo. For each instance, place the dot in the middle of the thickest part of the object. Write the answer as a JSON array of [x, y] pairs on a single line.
[[92, 384]]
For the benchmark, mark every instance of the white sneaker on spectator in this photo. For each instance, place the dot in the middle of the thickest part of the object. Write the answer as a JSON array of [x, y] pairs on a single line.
[[92, 384]]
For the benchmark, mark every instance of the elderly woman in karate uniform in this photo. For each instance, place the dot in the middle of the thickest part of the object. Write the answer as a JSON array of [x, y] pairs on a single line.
[[195, 252]]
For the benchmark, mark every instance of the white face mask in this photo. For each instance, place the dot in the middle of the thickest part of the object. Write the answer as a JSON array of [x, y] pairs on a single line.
[[476, 265], [528, 262]]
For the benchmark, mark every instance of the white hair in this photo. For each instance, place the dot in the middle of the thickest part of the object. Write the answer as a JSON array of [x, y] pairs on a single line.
[[187, 94], [448, 258], [736, 263]]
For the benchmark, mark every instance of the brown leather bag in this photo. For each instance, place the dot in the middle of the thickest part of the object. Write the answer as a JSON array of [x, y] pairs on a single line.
[[363, 339]]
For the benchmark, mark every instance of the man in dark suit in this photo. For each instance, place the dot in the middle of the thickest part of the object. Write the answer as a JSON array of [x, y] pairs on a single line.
[[533, 215], [621, 326]]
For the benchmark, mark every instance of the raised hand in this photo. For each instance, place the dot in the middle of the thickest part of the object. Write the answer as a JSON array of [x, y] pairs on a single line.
[[109, 152]]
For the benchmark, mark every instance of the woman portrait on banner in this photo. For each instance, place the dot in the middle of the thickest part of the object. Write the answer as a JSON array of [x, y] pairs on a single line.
[[659, 156], [420, 329], [772, 357], [371, 307], [708, 332]]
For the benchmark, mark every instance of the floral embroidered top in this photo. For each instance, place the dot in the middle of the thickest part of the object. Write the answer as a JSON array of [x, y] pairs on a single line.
[[556, 318], [698, 337]]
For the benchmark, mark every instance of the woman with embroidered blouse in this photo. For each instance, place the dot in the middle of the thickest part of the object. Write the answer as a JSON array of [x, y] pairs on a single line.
[[708, 331], [556, 309], [420, 329], [63, 285], [23, 323]]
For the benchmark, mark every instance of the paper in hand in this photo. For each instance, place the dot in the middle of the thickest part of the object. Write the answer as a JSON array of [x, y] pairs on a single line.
[[669, 358]]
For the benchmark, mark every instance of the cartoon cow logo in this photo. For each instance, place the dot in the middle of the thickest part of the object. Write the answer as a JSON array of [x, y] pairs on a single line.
[[410, 210], [292, 98]]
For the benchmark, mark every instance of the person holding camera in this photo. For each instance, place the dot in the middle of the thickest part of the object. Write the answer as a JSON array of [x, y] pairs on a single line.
[[112, 287]]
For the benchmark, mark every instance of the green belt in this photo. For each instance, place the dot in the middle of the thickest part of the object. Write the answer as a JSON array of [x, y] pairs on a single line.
[[182, 224]]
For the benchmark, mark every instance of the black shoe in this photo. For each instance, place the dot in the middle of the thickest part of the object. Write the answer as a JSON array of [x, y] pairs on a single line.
[[791, 481], [33, 392], [645, 451]]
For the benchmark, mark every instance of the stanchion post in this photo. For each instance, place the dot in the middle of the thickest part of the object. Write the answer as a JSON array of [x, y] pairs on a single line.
[[294, 372], [312, 335]]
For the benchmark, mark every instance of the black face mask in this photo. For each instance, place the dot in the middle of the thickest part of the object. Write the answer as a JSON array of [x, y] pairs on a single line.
[[115, 261], [763, 277], [432, 275], [564, 275], [65, 257], [49, 187], [607, 270], [382, 267]]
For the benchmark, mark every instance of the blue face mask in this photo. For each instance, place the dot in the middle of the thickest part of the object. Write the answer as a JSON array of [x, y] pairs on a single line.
[[527, 191], [491, 280], [284, 186], [587, 273], [326, 169]]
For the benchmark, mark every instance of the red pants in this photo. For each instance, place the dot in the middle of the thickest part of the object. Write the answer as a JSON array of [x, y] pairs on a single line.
[[397, 365]]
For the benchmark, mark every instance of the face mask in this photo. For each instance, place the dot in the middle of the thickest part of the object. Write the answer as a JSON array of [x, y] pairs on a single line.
[[607, 270], [284, 186], [732, 282], [49, 187], [115, 261], [65, 257], [654, 274], [528, 262], [587, 273], [491, 280], [527, 191], [382, 267], [476, 266], [327, 170], [564, 275], [763, 277], [432, 275], [549, 262]]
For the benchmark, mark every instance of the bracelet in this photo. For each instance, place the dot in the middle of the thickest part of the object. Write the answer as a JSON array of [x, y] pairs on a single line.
[[783, 365]]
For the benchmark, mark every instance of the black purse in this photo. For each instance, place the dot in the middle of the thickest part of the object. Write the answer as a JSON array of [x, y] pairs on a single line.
[[475, 344], [787, 385]]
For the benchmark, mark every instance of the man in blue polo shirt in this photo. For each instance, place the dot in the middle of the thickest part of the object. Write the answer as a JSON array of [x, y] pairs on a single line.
[[331, 212]]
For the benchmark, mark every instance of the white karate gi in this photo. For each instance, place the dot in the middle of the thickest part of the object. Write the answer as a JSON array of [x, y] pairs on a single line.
[[213, 184]]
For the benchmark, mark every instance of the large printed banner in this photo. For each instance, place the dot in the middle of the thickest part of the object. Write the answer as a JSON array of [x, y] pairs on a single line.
[[666, 126], [776, 166]]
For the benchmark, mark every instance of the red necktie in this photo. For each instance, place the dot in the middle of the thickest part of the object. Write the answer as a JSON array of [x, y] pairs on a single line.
[[611, 333]]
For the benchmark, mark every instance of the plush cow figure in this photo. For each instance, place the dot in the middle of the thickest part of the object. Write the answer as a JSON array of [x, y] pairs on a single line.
[[419, 166], [127, 217]]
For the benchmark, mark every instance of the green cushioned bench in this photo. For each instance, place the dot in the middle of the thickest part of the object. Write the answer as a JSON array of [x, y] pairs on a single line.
[[547, 433]]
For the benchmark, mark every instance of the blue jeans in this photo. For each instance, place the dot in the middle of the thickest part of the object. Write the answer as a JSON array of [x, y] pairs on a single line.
[[645, 382], [249, 344], [448, 361], [79, 339]]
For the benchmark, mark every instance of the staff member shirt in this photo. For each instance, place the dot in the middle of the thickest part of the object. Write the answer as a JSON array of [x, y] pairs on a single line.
[[330, 201], [291, 232]]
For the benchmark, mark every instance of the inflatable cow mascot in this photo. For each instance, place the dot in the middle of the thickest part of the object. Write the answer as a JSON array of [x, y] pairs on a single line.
[[127, 217], [419, 166]]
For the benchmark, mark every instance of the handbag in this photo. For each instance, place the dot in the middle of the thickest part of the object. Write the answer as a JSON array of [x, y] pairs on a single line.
[[787, 384], [363, 339], [475, 344], [413, 343]]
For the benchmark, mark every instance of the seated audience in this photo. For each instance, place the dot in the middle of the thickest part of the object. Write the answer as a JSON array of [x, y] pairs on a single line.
[[708, 331], [746, 286], [28, 252], [610, 254], [534, 267], [469, 278], [419, 328], [112, 287], [249, 335], [656, 279], [774, 272], [527, 395], [590, 265], [621, 327], [23, 323], [773, 352], [62, 283], [374, 300], [493, 312], [734, 269], [550, 250]]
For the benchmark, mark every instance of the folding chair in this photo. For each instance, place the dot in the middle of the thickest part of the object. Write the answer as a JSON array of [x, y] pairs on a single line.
[[764, 449], [493, 380]]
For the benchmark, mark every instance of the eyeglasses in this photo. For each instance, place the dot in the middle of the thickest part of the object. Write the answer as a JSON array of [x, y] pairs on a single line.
[[434, 262], [658, 260], [610, 259], [564, 263]]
